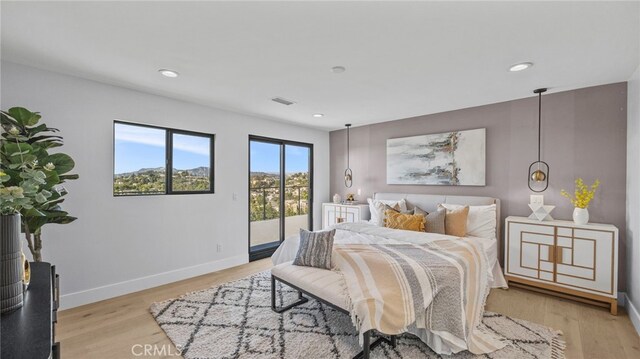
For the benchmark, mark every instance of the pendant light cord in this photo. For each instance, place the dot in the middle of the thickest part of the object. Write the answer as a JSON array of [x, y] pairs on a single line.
[[348, 145], [539, 122]]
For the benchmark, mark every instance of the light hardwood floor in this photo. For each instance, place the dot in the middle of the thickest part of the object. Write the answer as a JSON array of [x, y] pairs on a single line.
[[109, 329]]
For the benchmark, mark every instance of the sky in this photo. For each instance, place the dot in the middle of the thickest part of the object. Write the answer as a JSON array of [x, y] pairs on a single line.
[[139, 147], [265, 157]]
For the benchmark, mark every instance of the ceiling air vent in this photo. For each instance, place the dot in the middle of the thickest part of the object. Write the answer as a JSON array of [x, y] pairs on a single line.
[[283, 101]]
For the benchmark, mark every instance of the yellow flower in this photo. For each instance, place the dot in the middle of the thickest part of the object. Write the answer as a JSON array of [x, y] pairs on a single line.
[[583, 194]]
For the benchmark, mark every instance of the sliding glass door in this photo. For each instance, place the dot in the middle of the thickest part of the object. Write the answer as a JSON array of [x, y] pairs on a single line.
[[280, 192]]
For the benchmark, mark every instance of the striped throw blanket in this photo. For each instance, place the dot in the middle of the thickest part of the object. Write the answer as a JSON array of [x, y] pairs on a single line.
[[439, 286]]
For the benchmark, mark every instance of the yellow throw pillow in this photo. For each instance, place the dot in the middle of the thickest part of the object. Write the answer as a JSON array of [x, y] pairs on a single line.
[[409, 222], [455, 221]]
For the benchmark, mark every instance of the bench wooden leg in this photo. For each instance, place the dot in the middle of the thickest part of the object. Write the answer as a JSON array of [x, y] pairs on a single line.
[[301, 299]]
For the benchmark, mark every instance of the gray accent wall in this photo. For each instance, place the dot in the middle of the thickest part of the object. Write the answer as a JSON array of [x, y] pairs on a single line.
[[584, 134]]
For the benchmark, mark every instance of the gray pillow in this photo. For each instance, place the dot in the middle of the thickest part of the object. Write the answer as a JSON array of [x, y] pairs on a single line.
[[418, 210], [315, 249], [435, 221], [409, 211]]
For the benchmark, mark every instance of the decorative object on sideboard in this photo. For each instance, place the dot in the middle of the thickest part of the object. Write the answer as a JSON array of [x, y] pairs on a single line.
[[541, 212], [11, 291], [348, 174], [25, 163], [539, 170], [581, 198], [337, 199], [453, 158], [26, 272], [351, 198]]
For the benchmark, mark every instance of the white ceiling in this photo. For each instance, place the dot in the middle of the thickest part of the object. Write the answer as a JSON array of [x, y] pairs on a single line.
[[403, 59]]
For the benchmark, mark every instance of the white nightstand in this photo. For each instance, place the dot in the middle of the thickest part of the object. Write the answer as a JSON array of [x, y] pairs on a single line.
[[568, 259], [333, 213]]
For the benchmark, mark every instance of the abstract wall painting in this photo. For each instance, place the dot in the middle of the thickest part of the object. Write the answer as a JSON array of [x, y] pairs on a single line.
[[452, 159]]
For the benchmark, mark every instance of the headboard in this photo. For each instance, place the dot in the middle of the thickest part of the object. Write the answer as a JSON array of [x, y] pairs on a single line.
[[429, 202]]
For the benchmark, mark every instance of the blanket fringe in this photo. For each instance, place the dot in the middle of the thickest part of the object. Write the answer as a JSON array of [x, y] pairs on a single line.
[[558, 346]]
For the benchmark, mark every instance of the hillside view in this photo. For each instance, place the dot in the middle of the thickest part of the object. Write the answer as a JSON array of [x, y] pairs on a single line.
[[265, 195], [149, 181]]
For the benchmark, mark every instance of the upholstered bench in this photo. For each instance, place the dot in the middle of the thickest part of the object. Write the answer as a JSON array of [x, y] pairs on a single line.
[[323, 285]]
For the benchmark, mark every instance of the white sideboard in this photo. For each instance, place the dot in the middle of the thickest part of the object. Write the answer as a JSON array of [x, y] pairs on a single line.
[[334, 213], [570, 260]]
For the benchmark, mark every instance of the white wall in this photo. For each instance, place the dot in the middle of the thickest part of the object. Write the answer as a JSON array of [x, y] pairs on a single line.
[[121, 245], [633, 198]]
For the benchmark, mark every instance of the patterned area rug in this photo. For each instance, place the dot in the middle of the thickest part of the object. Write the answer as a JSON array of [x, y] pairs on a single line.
[[235, 320]]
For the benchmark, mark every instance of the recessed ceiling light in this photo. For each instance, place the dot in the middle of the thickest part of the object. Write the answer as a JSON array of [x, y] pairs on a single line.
[[338, 69], [521, 66], [168, 73], [318, 115]]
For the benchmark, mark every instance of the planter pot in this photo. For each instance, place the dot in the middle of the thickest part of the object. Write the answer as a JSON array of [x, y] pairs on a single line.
[[11, 290], [580, 215]]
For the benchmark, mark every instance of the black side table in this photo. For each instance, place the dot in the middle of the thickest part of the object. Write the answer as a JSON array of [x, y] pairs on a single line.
[[29, 332]]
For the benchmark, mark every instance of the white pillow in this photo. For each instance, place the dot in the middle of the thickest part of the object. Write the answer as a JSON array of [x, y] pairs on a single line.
[[376, 207], [481, 221]]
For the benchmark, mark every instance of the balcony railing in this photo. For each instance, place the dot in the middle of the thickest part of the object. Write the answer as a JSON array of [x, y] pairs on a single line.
[[264, 191]]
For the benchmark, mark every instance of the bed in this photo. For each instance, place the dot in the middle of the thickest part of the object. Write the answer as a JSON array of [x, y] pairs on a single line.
[[330, 287]]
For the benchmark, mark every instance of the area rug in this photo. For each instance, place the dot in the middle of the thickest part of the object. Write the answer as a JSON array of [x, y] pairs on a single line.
[[235, 320]]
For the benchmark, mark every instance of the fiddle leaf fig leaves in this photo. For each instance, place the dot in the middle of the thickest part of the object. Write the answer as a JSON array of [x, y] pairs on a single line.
[[31, 176]]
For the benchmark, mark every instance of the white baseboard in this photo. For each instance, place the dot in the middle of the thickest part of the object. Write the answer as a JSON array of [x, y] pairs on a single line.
[[622, 299], [134, 285], [634, 315]]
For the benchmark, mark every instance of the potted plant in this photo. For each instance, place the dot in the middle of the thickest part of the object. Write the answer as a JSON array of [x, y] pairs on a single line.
[[26, 163], [583, 195], [17, 194]]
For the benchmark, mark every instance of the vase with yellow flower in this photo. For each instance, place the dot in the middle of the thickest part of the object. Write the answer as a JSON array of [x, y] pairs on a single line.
[[581, 198]]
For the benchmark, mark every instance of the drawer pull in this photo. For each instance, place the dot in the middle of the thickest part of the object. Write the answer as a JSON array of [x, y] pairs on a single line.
[[551, 256]]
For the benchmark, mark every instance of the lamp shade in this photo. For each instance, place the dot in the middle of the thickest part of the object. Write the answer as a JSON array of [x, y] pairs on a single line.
[[538, 176]]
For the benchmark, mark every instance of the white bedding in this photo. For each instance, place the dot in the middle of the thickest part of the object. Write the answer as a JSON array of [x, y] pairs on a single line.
[[288, 249]]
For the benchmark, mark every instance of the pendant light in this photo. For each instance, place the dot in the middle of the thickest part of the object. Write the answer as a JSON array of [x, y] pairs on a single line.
[[348, 174], [539, 170]]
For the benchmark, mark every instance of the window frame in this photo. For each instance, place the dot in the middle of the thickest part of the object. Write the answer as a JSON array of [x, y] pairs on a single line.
[[168, 180]]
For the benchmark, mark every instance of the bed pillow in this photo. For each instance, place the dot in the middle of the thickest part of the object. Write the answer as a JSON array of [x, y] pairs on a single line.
[[408, 222], [455, 221], [376, 207], [481, 221], [434, 221], [397, 209], [315, 249]]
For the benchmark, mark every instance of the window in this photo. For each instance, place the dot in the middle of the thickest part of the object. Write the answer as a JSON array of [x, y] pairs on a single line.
[[150, 160]]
